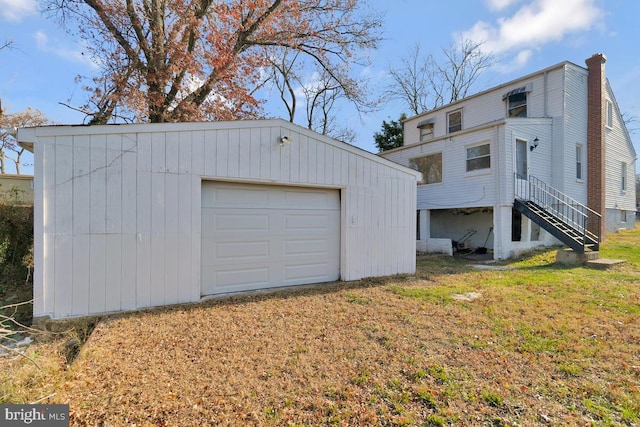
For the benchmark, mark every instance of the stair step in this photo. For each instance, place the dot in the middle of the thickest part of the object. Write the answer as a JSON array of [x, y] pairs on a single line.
[[604, 264], [571, 236]]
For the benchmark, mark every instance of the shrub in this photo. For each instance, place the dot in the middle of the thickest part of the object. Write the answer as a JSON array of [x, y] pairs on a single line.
[[16, 255]]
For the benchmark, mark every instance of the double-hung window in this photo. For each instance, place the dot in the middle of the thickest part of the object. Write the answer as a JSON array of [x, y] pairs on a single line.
[[478, 157], [623, 176], [517, 105], [454, 121], [579, 162]]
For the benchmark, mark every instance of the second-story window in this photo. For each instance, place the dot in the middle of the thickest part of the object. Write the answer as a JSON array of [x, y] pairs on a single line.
[[609, 114], [454, 121], [517, 105], [426, 132], [579, 162]]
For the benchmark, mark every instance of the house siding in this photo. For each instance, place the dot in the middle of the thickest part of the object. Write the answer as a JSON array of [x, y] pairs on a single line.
[[18, 188], [558, 116], [574, 132], [117, 224], [618, 149]]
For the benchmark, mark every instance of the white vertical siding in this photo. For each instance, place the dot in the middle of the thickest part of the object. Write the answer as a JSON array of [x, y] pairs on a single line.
[[574, 131], [618, 150], [118, 208], [81, 256]]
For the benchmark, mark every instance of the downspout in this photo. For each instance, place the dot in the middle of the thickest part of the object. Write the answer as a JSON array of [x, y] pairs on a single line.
[[498, 228]]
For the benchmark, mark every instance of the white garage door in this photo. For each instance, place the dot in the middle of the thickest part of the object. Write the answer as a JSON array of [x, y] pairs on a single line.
[[260, 236]]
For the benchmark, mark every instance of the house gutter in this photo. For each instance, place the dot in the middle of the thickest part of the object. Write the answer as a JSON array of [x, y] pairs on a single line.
[[449, 136]]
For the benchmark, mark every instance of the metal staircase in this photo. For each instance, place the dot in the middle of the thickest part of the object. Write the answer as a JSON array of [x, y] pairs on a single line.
[[571, 222]]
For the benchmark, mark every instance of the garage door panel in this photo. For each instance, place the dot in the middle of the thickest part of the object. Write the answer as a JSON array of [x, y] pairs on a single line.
[[241, 221], [268, 236], [307, 273], [242, 251], [220, 253], [306, 221], [221, 195], [310, 199], [214, 221], [236, 278], [315, 247]]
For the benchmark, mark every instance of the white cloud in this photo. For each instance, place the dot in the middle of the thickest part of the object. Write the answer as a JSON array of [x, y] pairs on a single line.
[[43, 44], [533, 25], [518, 61], [15, 10], [500, 4], [42, 40]]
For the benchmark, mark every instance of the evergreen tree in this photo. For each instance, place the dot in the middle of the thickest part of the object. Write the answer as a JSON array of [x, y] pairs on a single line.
[[391, 135]]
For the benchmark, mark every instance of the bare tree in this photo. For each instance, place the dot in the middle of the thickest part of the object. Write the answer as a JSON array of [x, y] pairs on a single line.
[[8, 44], [410, 81], [201, 59], [630, 121], [319, 92], [424, 83], [285, 78], [9, 148]]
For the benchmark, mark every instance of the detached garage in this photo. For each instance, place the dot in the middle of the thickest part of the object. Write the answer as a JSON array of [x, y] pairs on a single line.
[[136, 216]]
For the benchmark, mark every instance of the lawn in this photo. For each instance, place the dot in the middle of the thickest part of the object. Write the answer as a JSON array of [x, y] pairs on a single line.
[[542, 345]]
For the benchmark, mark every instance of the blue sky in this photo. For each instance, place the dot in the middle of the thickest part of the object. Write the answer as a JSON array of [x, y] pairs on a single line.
[[524, 35]]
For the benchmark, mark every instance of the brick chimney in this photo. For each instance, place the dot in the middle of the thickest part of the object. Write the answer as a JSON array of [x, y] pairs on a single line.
[[595, 137]]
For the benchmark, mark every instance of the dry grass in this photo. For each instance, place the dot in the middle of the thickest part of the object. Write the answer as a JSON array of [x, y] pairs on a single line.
[[543, 346]]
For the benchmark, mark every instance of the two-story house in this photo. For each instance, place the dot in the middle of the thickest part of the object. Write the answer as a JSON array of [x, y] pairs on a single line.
[[540, 160]]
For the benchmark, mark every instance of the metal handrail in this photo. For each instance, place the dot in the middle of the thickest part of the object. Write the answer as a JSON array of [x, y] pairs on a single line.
[[573, 213]]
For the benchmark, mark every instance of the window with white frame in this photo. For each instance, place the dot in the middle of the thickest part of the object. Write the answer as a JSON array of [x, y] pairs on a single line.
[[479, 157], [430, 166], [579, 161], [454, 121], [609, 114], [623, 170], [517, 105]]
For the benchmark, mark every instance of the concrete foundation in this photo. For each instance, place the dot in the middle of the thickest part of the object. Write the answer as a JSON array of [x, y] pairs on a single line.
[[570, 257]]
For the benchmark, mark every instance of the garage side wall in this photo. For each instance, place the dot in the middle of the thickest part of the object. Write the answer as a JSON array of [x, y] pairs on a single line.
[[119, 223]]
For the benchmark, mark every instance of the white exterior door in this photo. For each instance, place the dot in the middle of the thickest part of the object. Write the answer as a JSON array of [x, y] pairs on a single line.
[[261, 236], [522, 169]]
